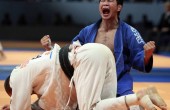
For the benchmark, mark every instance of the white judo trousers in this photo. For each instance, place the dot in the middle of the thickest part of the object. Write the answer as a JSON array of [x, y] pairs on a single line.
[[94, 76], [93, 85]]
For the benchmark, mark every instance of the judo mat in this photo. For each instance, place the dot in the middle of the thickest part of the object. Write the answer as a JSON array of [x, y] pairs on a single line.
[[18, 53]]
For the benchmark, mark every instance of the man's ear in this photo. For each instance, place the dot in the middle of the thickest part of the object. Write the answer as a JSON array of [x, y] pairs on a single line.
[[119, 8]]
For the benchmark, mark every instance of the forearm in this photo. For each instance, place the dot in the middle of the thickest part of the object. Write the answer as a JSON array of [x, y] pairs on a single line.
[[48, 48], [148, 64], [147, 59], [149, 48]]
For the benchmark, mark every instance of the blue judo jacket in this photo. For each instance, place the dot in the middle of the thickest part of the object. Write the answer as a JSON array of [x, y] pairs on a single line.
[[128, 53]]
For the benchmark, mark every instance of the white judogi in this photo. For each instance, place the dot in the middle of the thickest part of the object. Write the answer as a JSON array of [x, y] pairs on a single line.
[[94, 81], [44, 77]]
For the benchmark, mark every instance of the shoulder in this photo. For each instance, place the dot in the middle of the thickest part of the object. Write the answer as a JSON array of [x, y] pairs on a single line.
[[127, 27], [131, 32], [90, 27]]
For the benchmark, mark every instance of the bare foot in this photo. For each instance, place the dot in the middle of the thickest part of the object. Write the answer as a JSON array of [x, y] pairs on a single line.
[[149, 98], [144, 100], [156, 98]]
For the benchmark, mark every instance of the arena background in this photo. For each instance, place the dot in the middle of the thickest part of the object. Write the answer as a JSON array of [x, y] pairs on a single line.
[[24, 22]]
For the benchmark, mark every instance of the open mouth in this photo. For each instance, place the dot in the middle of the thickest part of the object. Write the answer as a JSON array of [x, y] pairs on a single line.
[[105, 11]]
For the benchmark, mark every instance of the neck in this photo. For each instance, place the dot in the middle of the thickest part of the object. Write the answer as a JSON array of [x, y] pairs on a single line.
[[109, 24]]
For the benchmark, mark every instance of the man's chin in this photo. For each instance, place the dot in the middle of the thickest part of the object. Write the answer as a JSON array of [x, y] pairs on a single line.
[[106, 17]]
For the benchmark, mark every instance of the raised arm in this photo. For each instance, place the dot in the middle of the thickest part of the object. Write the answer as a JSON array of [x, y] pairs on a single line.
[[46, 42]]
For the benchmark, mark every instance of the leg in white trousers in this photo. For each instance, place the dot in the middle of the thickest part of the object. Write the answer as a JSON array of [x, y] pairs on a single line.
[[95, 77]]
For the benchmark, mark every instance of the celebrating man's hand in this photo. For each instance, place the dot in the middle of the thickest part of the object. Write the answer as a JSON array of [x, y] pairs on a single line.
[[46, 42]]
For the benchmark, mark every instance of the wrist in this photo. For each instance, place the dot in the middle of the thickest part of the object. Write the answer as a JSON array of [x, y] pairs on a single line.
[[50, 47], [146, 59]]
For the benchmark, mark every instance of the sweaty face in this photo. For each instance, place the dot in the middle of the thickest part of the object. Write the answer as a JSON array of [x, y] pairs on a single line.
[[108, 9]]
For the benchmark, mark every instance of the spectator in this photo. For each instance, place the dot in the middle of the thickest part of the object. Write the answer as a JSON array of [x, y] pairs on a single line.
[[6, 21], [39, 19], [58, 20], [129, 20], [145, 27], [146, 22], [164, 23], [68, 20], [22, 20], [164, 28]]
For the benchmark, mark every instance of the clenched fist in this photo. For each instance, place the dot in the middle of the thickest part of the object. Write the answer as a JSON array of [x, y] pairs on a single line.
[[46, 42]]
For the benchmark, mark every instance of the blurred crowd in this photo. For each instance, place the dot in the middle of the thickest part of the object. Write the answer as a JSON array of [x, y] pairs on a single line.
[[159, 32], [148, 1], [38, 21]]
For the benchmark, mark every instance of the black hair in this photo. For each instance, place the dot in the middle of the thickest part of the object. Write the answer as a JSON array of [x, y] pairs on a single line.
[[119, 2], [7, 86]]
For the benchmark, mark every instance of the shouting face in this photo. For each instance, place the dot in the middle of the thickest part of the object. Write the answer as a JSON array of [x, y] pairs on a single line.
[[109, 9]]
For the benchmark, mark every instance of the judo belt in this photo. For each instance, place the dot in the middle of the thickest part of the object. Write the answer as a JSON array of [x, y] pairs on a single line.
[[64, 61]]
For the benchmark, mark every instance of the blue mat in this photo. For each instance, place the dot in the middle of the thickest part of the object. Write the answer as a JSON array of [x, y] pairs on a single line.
[[156, 75], [5, 71]]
